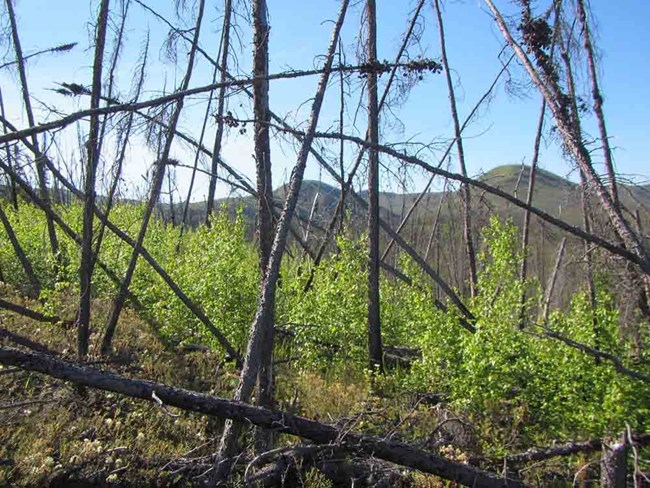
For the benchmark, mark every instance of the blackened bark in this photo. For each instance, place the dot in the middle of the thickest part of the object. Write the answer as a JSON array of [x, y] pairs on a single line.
[[92, 161], [266, 306], [265, 231], [613, 465], [374, 321], [154, 195], [221, 102]]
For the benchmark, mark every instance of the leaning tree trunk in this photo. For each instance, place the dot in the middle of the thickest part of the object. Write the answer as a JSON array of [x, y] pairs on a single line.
[[598, 101], [40, 171], [7, 150], [465, 191], [156, 186], [266, 306], [374, 324], [525, 232]]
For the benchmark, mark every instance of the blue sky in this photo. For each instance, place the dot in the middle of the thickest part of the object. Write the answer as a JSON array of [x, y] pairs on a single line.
[[300, 32]]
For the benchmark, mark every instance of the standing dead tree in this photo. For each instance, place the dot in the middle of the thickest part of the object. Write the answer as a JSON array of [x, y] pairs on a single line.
[[375, 350], [525, 230], [221, 103], [92, 162], [264, 229], [346, 183], [441, 160], [597, 99], [123, 138]]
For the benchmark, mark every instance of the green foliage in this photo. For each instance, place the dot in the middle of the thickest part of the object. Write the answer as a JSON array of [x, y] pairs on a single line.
[[512, 384], [518, 386]]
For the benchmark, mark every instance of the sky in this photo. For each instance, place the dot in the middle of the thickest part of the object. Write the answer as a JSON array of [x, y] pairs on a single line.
[[502, 133]]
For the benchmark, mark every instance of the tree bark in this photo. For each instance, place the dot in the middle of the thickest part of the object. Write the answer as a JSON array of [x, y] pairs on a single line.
[[598, 101], [40, 171], [221, 102], [92, 161], [525, 231], [265, 228], [375, 349], [465, 189], [613, 466]]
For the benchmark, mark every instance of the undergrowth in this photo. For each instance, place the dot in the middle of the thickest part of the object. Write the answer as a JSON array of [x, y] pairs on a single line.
[[468, 396]]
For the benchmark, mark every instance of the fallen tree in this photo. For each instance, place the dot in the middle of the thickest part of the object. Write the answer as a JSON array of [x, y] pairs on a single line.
[[282, 422]]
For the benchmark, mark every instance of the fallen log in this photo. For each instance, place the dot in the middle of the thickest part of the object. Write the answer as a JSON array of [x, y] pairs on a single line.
[[395, 452]]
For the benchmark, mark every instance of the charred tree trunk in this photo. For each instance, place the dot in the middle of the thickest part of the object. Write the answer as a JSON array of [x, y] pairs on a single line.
[[613, 465], [92, 162], [525, 232], [465, 190], [154, 194], [221, 102], [598, 101], [121, 154], [40, 170], [346, 184], [374, 325], [265, 228]]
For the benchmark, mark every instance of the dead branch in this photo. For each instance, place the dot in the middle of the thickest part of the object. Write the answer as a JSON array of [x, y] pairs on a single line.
[[25, 342], [618, 364]]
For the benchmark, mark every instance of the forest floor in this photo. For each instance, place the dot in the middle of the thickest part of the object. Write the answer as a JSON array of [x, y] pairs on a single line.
[[55, 434]]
